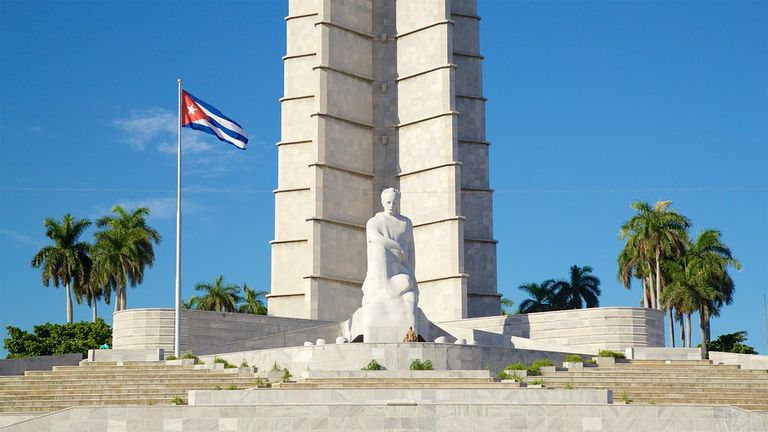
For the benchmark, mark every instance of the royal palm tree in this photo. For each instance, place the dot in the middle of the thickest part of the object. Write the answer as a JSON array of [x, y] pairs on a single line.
[[66, 262], [700, 280], [114, 263], [191, 303], [218, 296], [653, 235], [580, 286], [506, 305], [541, 295], [132, 239], [253, 303]]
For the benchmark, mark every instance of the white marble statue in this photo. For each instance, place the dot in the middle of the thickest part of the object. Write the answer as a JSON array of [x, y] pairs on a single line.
[[390, 293]]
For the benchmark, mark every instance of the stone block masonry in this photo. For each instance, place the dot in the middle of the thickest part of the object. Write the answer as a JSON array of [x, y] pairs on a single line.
[[382, 94]]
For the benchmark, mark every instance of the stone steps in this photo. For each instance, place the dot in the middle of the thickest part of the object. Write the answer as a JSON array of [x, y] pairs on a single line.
[[393, 385]]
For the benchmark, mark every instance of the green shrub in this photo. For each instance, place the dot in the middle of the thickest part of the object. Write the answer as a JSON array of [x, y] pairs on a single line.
[[243, 364], [590, 361], [276, 367], [569, 385], [171, 357], [537, 382], [535, 368], [516, 366], [177, 400], [232, 386], [508, 374], [373, 365], [259, 382], [609, 353], [573, 358], [417, 364], [625, 397], [227, 365], [286, 375], [53, 339], [189, 355]]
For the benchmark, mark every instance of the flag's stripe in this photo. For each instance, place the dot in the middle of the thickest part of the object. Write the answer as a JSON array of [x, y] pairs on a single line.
[[205, 126], [224, 123], [226, 130], [212, 111]]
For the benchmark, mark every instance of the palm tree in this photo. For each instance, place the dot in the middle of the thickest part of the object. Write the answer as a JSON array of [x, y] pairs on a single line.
[[114, 263], [131, 238], [218, 296], [506, 305], [253, 303], [582, 285], [67, 261], [191, 303], [541, 295], [652, 235], [700, 281]]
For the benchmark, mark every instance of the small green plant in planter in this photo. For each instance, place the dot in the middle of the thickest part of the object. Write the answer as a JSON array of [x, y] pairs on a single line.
[[609, 353], [573, 358], [171, 357], [189, 355], [243, 364], [232, 386], [373, 365], [276, 367], [417, 364], [625, 397], [516, 366], [535, 368], [569, 385], [508, 375], [218, 387], [259, 382], [537, 382], [286, 375], [590, 361], [177, 400], [227, 365]]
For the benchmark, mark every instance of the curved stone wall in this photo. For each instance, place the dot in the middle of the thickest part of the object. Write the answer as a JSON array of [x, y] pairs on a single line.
[[613, 328], [153, 328]]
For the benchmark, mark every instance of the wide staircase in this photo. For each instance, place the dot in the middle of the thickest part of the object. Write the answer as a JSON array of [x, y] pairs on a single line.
[[670, 382], [130, 383]]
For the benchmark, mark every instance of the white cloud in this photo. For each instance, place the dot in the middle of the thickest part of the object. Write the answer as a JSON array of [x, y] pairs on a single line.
[[21, 238], [144, 127], [159, 207]]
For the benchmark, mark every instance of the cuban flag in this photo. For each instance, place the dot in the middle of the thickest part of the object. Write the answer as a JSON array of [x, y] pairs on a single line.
[[201, 116]]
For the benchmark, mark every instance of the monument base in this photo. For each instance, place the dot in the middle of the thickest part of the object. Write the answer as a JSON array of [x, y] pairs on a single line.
[[377, 326]]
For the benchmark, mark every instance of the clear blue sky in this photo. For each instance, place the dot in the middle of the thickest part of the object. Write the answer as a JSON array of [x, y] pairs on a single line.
[[592, 104]]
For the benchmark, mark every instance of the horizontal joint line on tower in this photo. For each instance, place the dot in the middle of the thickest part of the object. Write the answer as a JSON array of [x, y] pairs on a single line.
[[284, 295], [291, 98], [277, 191], [282, 143], [447, 113], [346, 120], [476, 189], [343, 72], [450, 219], [482, 98], [405, 174], [445, 66], [274, 242], [428, 26], [459, 14], [294, 56], [334, 278], [291, 17], [341, 168], [345, 28], [456, 276], [479, 240], [337, 222], [463, 54], [469, 141], [477, 294]]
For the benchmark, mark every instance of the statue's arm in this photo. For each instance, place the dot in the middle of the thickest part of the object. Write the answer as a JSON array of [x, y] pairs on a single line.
[[375, 236], [409, 248]]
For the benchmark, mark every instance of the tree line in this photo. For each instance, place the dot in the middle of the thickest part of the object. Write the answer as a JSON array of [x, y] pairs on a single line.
[[225, 297], [123, 248]]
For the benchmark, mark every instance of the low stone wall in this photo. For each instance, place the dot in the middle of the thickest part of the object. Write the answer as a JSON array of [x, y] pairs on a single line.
[[353, 356], [126, 355], [154, 328], [468, 416], [588, 330], [746, 361], [640, 353], [17, 366]]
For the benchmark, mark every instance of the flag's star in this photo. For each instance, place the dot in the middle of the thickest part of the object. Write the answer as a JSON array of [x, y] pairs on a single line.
[[191, 109]]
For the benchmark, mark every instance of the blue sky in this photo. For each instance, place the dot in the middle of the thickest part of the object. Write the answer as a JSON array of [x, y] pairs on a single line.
[[592, 104]]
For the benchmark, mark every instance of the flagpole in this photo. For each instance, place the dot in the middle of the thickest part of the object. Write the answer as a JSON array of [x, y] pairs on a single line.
[[177, 314]]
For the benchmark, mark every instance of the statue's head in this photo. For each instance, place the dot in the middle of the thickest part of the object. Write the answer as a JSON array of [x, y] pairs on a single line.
[[390, 200]]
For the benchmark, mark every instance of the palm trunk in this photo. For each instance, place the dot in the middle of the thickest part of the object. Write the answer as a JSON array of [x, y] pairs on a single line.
[[95, 313], [645, 295], [123, 299], [658, 279], [652, 291], [671, 327], [117, 298], [682, 330], [688, 329], [703, 328], [69, 303]]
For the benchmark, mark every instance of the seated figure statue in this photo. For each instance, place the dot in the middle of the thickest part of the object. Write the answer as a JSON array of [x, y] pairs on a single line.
[[390, 293]]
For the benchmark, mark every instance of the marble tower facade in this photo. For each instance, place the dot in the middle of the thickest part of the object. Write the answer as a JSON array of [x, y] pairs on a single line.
[[382, 93]]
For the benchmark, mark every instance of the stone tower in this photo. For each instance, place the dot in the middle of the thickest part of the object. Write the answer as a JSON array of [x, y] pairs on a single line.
[[382, 93]]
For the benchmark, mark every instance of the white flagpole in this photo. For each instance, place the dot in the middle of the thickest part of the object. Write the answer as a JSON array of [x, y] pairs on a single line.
[[177, 314]]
